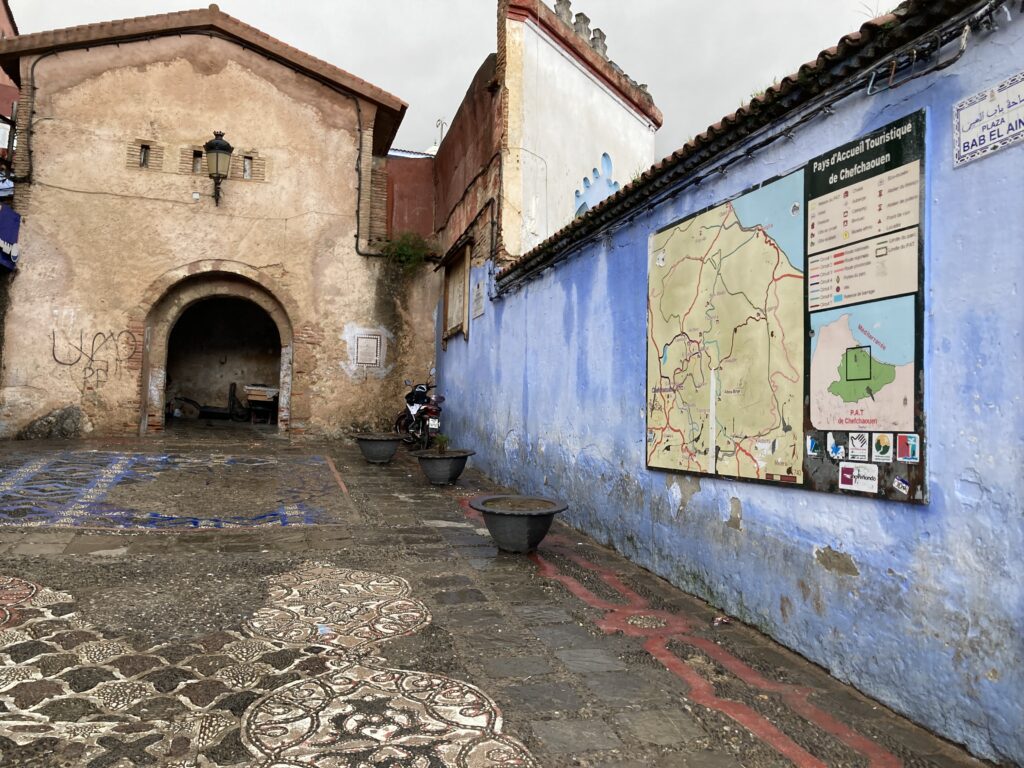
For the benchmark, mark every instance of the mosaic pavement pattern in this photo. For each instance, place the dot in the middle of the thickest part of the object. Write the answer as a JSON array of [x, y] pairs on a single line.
[[299, 685], [97, 489]]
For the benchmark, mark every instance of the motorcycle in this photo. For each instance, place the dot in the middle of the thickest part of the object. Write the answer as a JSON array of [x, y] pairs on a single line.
[[420, 420]]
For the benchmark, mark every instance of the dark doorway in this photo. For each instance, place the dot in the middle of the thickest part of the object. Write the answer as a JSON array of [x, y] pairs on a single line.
[[215, 344]]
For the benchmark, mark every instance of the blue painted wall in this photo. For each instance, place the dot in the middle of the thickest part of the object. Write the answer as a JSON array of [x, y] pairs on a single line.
[[549, 390]]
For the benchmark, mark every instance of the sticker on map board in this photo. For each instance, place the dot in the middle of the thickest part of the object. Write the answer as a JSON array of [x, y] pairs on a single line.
[[901, 485], [859, 446], [908, 449], [881, 448], [813, 446], [858, 477], [835, 450]]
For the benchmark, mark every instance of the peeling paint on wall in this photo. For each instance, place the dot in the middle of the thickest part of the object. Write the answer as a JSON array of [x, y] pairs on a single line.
[[284, 400], [837, 562]]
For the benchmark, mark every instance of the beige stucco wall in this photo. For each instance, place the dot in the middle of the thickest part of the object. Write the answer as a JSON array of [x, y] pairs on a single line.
[[102, 243]]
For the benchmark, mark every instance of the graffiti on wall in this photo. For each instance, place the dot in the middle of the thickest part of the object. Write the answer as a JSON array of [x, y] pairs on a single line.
[[93, 359], [596, 188]]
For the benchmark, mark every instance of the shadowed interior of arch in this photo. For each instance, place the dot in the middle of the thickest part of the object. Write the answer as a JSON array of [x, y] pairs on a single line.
[[218, 342]]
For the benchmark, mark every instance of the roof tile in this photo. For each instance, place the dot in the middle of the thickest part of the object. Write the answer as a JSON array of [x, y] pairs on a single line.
[[850, 54], [204, 18]]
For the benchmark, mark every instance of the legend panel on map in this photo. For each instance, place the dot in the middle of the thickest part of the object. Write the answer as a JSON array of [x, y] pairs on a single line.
[[874, 269], [874, 207]]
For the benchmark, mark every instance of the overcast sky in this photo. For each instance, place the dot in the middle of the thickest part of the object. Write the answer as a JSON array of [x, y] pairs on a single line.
[[701, 59]]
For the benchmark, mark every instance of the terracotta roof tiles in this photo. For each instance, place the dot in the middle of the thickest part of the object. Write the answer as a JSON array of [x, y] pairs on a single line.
[[853, 53], [10, 16], [211, 19]]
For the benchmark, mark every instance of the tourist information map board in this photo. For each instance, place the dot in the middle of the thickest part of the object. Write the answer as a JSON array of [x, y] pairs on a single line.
[[785, 327]]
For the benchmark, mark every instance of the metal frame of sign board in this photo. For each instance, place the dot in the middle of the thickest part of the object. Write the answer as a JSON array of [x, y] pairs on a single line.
[[813, 474]]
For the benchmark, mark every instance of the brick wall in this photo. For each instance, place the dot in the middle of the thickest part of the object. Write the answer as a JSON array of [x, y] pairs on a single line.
[[379, 201], [22, 163], [259, 166], [133, 155]]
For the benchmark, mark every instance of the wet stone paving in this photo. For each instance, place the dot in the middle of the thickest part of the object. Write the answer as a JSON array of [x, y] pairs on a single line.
[[241, 600]]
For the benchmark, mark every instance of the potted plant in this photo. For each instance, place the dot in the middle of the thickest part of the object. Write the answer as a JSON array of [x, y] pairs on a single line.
[[378, 447], [442, 465], [517, 523]]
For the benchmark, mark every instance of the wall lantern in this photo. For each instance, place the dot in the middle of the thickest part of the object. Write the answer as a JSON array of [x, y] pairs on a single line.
[[218, 161]]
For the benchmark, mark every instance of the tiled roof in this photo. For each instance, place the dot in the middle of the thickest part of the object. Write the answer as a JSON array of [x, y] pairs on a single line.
[[391, 109], [14, 23], [855, 53]]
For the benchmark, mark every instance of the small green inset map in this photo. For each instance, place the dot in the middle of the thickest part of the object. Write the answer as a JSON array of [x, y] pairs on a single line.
[[861, 376], [858, 364]]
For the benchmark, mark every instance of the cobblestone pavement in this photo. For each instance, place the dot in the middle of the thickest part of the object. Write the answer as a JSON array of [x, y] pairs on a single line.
[[230, 598]]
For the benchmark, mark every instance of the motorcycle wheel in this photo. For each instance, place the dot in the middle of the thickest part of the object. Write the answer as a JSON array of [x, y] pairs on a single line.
[[403, 426], [425, 438]]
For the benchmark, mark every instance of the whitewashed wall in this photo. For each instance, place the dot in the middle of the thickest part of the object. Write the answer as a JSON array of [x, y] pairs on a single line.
[[562, 120]]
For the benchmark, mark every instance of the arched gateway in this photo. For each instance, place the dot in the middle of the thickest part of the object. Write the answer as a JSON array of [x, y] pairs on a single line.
[[219, 286]]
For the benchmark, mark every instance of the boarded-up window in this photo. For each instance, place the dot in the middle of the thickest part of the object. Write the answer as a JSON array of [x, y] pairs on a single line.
[[146, 155], [456, 294], [248, 165], [192, 161]]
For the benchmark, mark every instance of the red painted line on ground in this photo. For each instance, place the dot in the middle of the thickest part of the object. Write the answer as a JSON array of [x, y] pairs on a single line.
[[337, 477], [702, 692], [796, 697], [469, 511], [549, 571], [677, 628]]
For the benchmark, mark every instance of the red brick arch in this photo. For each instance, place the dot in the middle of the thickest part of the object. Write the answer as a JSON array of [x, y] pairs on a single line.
[[168, 298], [164, 284]]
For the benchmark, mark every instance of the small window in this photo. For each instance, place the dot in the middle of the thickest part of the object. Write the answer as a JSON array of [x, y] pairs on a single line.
[[197, 161], [144, 156], [456, 288], [247, 167]]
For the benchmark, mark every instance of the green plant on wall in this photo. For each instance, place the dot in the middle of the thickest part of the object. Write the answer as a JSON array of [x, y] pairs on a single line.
[[408, 250], [872, 10]]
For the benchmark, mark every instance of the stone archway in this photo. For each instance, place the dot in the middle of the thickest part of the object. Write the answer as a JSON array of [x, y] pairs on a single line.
[[168, 309]]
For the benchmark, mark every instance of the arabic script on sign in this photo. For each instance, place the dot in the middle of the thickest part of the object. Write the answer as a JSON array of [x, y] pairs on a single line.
[[988, 121]]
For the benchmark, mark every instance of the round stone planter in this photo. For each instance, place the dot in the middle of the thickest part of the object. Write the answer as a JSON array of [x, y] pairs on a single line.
[[378, 448], [442, 468], [517, 523]]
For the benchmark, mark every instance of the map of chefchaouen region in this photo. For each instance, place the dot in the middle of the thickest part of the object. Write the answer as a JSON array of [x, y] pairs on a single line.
[[862, 367], [725, 360]]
